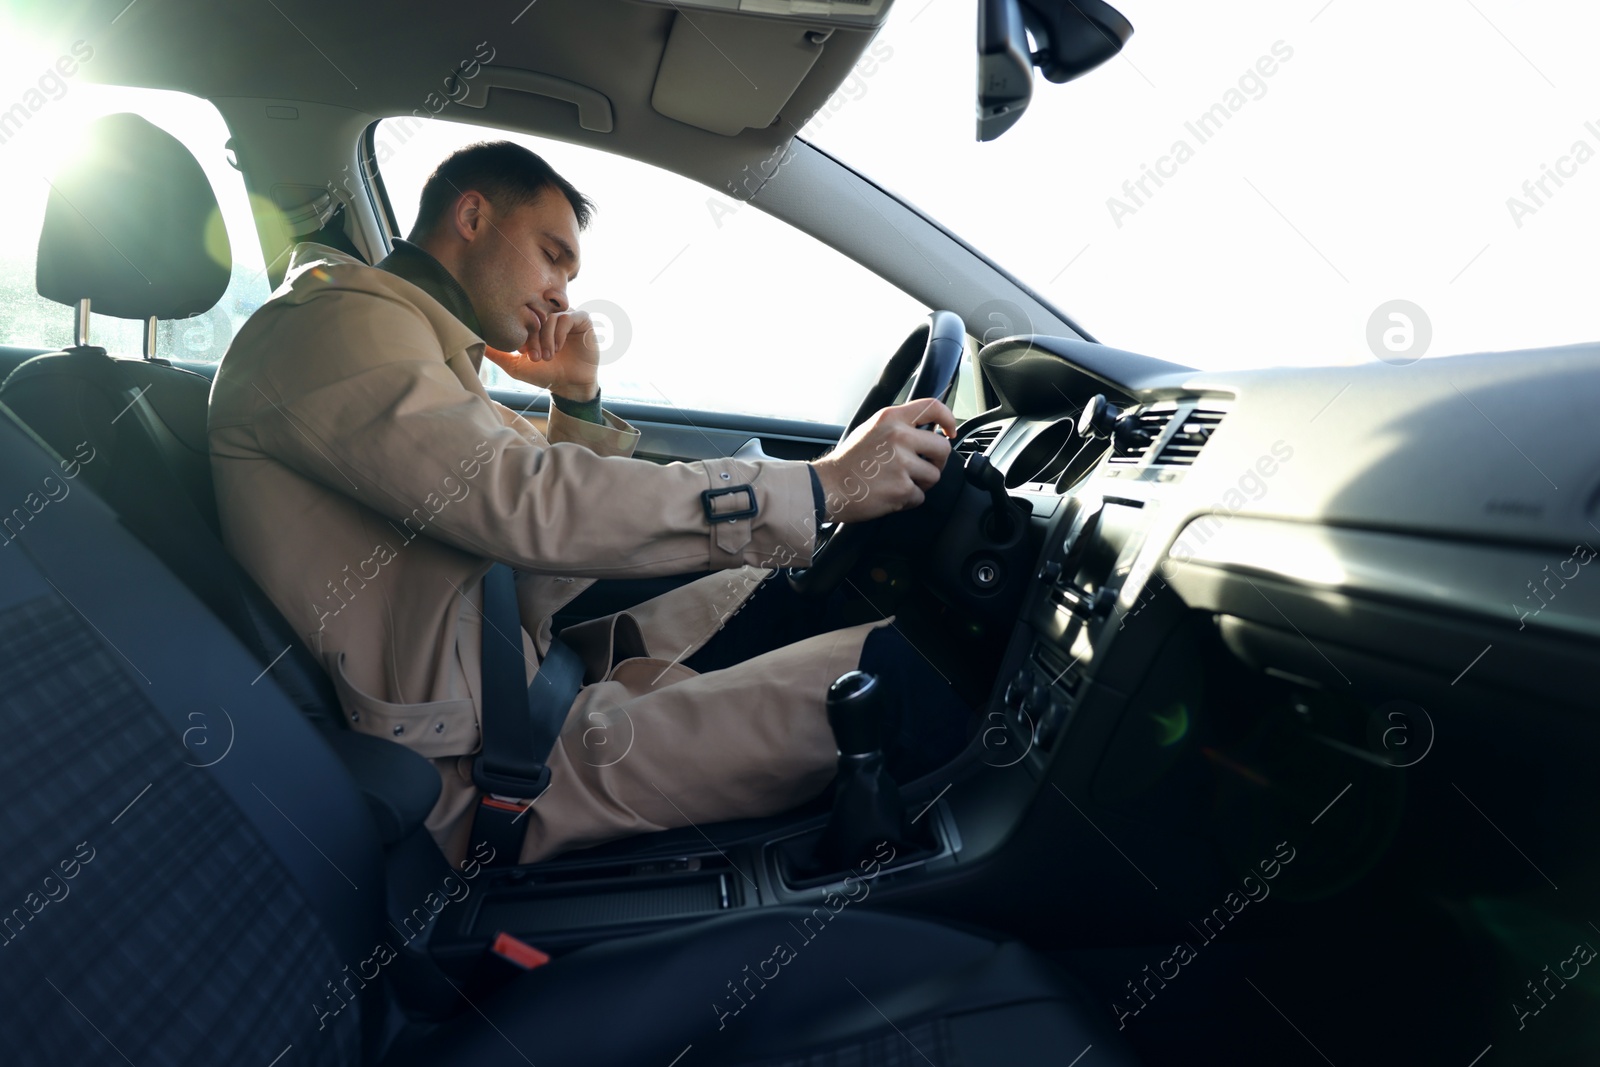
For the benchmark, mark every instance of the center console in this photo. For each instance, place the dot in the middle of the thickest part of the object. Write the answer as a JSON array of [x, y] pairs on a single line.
[[1070, 616]]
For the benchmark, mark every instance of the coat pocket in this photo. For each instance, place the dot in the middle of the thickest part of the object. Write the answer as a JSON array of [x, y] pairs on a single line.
[[434, 729]]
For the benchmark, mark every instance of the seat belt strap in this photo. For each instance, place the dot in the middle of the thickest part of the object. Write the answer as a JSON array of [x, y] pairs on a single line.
[[521, 722]]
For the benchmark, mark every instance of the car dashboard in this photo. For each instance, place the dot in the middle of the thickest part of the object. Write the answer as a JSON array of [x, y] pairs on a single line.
[[1341, 607], [1400, 512]]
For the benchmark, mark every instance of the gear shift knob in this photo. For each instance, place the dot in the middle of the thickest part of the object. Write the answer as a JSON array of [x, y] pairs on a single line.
[[855, 713], [866, 805]]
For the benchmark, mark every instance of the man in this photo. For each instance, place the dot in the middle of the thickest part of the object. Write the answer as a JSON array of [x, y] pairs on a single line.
[[368, 482]]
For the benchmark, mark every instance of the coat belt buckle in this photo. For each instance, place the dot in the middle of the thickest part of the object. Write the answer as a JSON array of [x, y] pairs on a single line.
[[712, 515]]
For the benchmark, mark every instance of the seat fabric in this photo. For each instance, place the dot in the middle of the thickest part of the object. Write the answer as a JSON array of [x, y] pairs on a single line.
[[785, 986], [185, 859], [143, 426]]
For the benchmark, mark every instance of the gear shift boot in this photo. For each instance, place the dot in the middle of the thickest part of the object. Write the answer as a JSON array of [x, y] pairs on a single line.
[[867, 809]]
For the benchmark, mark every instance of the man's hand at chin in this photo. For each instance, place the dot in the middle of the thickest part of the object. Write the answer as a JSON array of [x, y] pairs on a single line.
[[562, 356]]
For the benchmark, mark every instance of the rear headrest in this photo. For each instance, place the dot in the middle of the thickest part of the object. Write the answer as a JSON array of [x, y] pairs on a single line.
[[133, 225]]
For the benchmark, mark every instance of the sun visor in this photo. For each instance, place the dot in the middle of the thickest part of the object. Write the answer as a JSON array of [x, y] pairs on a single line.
[[728, 73], [852, 14]]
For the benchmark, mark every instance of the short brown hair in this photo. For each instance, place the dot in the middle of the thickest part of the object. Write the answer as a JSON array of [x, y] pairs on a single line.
[[507, 174]]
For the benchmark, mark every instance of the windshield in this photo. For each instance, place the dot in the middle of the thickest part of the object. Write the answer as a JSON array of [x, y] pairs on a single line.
[[1255, 183]]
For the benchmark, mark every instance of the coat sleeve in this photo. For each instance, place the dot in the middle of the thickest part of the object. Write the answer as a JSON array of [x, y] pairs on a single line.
[[614, 437], [357, 395]]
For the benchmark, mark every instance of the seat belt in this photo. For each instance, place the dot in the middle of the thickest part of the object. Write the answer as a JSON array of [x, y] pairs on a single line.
[[520, 722]]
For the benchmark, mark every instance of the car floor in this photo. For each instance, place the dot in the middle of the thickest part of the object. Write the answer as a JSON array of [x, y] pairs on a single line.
[[1368, 980]]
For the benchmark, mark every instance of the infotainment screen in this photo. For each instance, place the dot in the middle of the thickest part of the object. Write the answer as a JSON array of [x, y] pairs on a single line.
[[1095, 554]]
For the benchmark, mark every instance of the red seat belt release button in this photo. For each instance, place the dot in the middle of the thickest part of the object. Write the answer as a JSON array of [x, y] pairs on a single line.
[[518, 952]]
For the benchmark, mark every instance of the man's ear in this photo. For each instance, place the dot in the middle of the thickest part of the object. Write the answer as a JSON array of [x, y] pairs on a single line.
[[470, 215]]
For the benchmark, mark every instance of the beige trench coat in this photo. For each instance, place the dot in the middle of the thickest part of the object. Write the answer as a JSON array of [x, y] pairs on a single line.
[[367, 481]]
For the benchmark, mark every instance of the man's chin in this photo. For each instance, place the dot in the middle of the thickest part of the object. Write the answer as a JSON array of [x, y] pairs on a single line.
[[507, 340]]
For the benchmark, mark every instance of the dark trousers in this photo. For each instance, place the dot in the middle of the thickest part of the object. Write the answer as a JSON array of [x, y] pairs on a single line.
[[928, 722]]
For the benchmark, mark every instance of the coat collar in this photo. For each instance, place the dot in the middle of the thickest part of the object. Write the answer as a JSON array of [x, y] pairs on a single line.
[[417, 266], [315, 268]]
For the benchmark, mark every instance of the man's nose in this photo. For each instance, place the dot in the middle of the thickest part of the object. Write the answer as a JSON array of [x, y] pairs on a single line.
[[557, 297]]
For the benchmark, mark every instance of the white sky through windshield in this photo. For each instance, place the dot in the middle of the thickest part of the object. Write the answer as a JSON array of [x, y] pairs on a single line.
[[1249, 183], [1356, 153]]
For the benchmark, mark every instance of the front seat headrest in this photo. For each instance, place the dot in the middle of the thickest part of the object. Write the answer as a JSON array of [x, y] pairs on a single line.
[[133, 225]]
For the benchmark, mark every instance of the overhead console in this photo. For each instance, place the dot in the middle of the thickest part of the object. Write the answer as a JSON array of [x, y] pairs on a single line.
[[861, 14]]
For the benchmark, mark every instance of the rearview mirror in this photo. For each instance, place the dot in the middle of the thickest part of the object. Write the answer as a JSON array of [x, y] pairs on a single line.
[[1073, 37], [1005, 67]]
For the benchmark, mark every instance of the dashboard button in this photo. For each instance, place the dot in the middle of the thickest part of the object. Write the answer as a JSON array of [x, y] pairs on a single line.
[[1050, 723], [1017, 690], [1026, 717], [1038, 701]]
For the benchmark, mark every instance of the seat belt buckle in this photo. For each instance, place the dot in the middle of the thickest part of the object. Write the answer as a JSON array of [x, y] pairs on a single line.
[[518, 952], [513, 786], [497, 822], [511, 805]]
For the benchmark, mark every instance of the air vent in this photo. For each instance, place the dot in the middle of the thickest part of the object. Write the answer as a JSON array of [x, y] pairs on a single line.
[[979, 440], [1191, 436], [1126, 450]]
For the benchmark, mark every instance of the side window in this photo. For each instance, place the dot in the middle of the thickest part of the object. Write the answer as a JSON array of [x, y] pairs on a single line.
[[40, 132], [701, 302]]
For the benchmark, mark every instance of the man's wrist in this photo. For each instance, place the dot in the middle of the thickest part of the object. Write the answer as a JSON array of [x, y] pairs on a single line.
[[584, 410], [580, 393], [819, 498]]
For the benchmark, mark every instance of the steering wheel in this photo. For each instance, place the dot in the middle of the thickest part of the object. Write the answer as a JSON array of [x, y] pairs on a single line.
[[928, 360]]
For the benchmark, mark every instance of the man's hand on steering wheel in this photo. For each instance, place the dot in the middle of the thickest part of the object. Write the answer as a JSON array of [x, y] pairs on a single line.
[[887, 464]]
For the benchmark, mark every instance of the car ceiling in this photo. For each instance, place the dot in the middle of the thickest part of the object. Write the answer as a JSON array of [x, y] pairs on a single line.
[[345, 64], [384, 59]]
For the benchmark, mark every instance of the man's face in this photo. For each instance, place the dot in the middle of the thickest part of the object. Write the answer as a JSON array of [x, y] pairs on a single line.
[[517, 266]]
